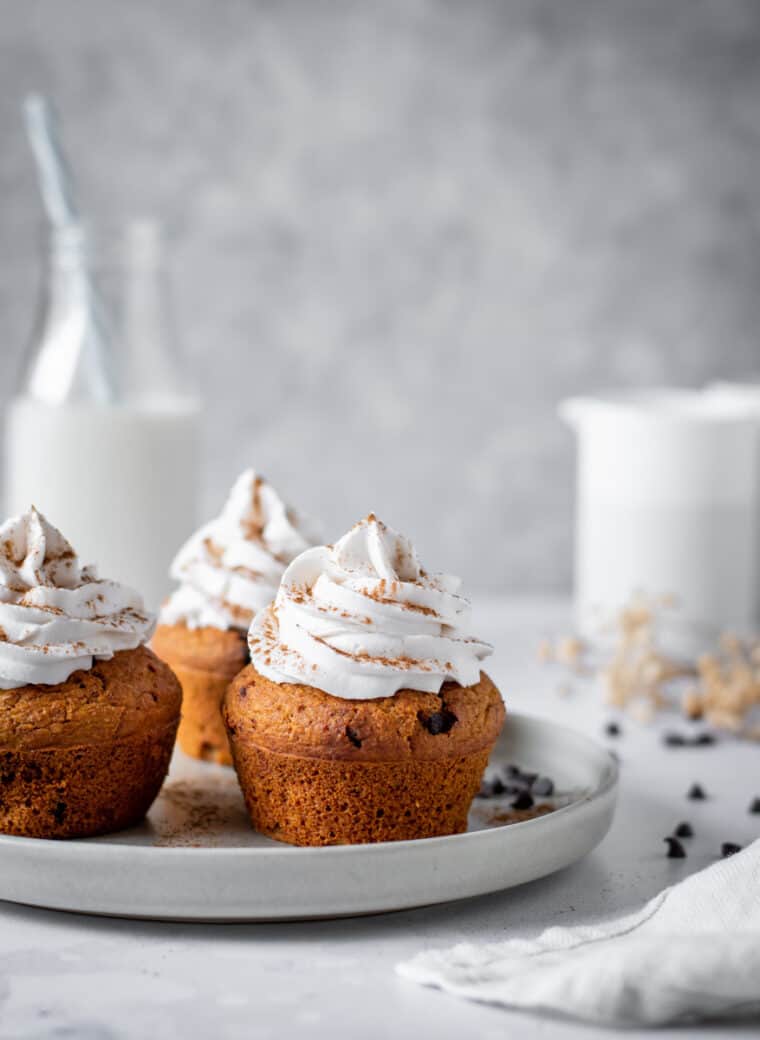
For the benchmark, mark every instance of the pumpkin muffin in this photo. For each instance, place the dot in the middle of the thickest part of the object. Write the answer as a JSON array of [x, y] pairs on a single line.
[[228, 569], [88, 755], [205, 660], [88, 715], [364, 715]]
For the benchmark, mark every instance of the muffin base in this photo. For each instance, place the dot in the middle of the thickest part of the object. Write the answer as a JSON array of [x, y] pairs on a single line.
[[201, 730], [77, 792], [313, 801]]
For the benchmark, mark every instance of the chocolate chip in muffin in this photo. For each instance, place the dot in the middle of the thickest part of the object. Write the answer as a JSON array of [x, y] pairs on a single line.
[[675, 848], [59, 813], [353, 736], [438, 721]]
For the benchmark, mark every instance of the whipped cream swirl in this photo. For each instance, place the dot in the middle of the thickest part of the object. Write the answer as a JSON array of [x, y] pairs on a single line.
[[57, 617], [362, 619], [232, 566]]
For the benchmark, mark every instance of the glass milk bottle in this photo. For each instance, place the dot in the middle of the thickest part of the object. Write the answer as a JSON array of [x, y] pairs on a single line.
[[667, 506], [105, 441]]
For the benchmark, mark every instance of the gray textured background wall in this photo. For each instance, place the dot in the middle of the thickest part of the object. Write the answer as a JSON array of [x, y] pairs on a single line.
[[404, 230]]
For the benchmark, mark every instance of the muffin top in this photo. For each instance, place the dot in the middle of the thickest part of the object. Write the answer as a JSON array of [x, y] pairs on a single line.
[[231, 567], [208, 649], [56, 616], [131, 693], [302, 720], [362, 619]]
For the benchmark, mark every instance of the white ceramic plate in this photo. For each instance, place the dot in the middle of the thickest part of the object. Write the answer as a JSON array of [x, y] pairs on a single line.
[[196, 858]]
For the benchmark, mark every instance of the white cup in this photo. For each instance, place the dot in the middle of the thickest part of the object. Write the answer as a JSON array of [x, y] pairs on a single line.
[[667, 505]]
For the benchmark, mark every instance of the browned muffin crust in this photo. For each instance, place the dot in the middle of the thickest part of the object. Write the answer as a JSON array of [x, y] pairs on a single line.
[[131, 695], [315, 801], [204, 660], [302, 720], [320, 770], [89, 755]]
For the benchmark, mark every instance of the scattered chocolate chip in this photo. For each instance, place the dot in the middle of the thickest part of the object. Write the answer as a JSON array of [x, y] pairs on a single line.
[[679, 740], [729, 848], [684, 830], [755, 805], [438, 721], [509, 779], [675, 849], [491, 788], [696, 793], [59, 813], [523, 801], [612, 729], [243, 693], [515, 779], [353, 736], [673, 740]]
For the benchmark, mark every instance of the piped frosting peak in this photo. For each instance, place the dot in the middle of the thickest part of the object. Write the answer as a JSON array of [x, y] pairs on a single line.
[[232, 566], [362, 619], [57, 616]]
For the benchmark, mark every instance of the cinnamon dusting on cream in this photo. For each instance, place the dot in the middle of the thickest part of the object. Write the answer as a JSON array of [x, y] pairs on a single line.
[[363, 619]]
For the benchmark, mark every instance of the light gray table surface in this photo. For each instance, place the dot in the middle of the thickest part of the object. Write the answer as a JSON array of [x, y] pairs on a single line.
[[66, 975]]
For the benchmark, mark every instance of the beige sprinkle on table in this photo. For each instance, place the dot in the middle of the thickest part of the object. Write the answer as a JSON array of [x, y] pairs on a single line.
[[546, 650], [638, 676]]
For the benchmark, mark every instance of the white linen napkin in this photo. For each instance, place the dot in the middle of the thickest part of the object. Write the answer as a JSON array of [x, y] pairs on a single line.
[[693, 952]]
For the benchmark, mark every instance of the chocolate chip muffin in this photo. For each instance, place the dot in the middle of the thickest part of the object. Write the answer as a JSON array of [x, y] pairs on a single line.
[[88, 715], [364, 715], [322, 770], [228, 570], [88, 755]]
